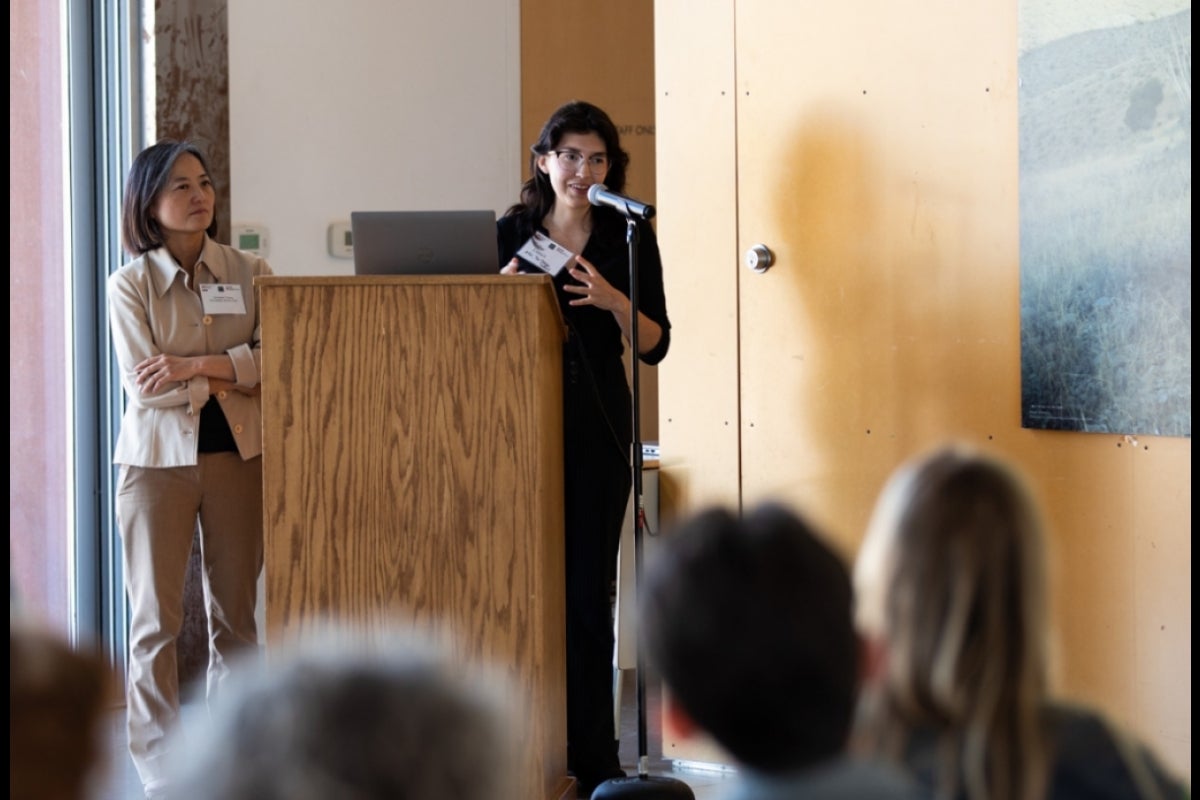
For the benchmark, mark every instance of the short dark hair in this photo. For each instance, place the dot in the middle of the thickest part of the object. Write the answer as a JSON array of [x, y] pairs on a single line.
[[748, 621], [148, 176]]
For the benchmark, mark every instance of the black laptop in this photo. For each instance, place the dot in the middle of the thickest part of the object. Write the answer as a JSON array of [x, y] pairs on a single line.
[[424, 242]]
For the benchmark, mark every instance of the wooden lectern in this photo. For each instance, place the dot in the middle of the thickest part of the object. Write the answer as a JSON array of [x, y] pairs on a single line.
[[412, 474]]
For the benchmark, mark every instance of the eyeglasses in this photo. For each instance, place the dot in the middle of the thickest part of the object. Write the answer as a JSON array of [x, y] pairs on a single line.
[[572, 159]]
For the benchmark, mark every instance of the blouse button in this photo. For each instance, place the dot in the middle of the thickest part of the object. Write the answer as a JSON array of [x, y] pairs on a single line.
[[221, 395], [237, 428], [208, 319]]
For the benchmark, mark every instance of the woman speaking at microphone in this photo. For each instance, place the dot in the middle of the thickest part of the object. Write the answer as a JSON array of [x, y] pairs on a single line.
[[578, 148]]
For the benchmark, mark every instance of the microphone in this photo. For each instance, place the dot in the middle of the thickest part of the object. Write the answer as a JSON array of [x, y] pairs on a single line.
[[599, 195]]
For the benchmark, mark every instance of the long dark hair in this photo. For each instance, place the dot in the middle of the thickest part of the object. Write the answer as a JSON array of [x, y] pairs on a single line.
[[140, 232], [577, 116]]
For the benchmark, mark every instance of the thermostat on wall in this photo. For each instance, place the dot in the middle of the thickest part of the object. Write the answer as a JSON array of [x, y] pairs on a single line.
[[341, 240], [251, 238]]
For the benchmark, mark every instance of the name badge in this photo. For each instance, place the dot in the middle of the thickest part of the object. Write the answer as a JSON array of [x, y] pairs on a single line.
[[222, 298], [545, 253]]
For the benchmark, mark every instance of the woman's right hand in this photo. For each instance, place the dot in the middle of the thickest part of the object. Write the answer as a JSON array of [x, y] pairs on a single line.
[[157, 371], [510, 268]]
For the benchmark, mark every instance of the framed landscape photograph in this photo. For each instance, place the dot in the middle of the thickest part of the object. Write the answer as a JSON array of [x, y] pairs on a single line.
[[1106, 225]]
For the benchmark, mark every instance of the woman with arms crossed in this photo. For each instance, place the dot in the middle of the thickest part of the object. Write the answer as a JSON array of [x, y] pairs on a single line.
[[185, 330]]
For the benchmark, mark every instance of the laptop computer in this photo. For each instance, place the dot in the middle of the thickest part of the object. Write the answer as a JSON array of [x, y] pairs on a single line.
[[424, 242]]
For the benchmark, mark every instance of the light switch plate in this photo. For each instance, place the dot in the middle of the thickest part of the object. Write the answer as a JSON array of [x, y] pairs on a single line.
[[341, 240]]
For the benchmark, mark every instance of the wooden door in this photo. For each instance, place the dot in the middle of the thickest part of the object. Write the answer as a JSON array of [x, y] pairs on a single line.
[[834, 136], [872, 154]]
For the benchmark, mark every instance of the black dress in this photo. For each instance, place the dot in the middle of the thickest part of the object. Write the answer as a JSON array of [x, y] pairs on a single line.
[[598, 475]]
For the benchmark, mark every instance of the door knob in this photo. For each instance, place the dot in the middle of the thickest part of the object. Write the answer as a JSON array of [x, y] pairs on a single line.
[[759, 258]]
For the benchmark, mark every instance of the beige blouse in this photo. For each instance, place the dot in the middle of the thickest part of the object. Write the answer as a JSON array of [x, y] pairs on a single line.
[[152, 310]]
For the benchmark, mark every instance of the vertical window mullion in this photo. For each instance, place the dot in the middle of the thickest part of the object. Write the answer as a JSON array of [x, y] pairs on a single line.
[[104, 65]]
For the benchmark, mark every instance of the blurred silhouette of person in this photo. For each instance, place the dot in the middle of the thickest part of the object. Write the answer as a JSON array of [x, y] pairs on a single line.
[[952, 586], [579, 147], [347, 716], [748, 621], [57, 695]]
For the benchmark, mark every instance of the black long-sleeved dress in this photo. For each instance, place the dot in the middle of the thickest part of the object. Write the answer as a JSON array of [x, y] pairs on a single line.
[[597, 434]]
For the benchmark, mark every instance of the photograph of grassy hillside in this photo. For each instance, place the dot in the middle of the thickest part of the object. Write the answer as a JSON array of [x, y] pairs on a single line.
[[1105, 225]]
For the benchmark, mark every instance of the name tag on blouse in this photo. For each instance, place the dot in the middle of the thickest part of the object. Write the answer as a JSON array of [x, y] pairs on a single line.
[[222, 298], [545, 253]]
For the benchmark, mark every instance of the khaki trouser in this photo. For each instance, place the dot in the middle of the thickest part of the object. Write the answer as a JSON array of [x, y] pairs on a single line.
[[157, 510]]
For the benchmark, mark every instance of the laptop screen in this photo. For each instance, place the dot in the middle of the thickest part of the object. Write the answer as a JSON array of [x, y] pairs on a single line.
[[424, 242]]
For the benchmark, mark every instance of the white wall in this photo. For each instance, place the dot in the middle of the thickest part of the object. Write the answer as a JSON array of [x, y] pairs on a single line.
[[368, 105]]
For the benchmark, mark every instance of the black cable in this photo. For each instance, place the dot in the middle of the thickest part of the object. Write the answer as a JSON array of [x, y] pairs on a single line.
[[594, 383]]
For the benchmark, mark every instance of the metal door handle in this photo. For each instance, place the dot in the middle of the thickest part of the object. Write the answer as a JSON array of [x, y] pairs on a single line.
[[759, 258]]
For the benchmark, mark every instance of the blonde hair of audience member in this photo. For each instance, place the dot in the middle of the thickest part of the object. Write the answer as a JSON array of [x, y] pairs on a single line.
[[357, 717], [56, 699], [951, 585], [951, 579]]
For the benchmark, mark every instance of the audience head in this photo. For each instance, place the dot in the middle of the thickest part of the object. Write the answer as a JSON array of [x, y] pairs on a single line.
[[56, 700], [356, 718], [748, 621], [951, 590]]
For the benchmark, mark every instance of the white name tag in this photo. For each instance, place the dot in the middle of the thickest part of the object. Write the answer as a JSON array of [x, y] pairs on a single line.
[[545, 253], [222, 298]]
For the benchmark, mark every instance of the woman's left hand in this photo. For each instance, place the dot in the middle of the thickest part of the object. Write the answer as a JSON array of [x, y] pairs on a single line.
[[593, 289]]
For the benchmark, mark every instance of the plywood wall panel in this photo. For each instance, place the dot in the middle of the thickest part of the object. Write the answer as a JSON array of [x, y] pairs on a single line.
[[699, 416]]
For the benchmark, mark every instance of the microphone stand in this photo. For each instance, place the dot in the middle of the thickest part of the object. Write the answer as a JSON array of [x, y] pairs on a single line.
[[643, 785]]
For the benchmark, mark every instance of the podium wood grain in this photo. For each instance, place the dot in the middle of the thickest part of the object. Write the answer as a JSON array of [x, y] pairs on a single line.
[[412, 469]]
